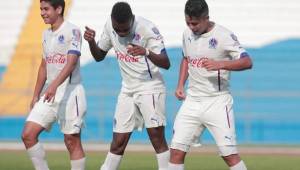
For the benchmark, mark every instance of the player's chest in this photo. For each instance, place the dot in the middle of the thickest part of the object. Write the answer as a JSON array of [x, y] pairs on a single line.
[[204, 48], [56, 44]]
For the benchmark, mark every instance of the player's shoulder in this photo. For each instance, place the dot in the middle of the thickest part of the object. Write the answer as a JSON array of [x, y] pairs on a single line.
[[146, 26], [143, 22], [71, 26], [222, 29], [187, 32], [226, 35]]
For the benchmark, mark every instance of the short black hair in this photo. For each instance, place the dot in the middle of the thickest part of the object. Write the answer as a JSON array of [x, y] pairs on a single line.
[[196, 8], [121, 12], [56, 4]]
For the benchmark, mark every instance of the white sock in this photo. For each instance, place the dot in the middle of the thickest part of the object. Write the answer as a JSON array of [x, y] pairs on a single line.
[[163, 159], [37, 155], [112, 162], [175, 166], [78, 164], [239, 166]]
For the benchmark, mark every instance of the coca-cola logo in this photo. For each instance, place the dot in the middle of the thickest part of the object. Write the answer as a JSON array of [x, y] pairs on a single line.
[[56, 59], [196, 62], [126, 58]]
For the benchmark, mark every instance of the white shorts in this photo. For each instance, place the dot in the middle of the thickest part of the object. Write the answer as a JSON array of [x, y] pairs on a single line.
[[139, 110], [213, 113], [69, 111]]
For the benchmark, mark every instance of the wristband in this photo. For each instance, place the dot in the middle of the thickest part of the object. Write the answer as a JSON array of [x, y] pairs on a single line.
[[147, 52]]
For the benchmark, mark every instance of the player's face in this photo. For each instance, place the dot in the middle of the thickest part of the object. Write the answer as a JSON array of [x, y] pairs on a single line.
[[198, 25], [48, 13], [122, 29]]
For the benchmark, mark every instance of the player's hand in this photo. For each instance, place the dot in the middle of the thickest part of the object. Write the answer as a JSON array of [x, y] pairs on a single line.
[[179, 93], [50, 93], [33, 101], [212, 65], [135, 50], [89, 34]]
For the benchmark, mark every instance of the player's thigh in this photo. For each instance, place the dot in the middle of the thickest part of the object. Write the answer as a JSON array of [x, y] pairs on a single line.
[[152, 109], [124, 118], [220, 121], [187, 126], [43, 114], [72, 110]]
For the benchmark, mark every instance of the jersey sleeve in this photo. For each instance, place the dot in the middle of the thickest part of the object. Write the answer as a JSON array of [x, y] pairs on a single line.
[[233, 47], [104, 41], [155, 41], [75, 43], [183, 46], [44, 45]]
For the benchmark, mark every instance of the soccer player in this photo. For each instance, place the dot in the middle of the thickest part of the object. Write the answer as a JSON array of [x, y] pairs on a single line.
[[58, 95], [210, 52], [140, 51]]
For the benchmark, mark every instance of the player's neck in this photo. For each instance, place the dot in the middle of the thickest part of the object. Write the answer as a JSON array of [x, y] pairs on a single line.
[[209, 27], [57, 23]]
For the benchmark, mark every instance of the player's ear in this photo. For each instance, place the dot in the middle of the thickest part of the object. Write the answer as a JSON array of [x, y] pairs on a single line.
[[59, 10]]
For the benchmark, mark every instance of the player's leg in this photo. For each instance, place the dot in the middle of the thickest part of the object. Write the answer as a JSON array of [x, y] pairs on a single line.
[[187, 128], [124, 123], [71, 113], [220, 123], [234, 161], [40, 118], [115, 154], [34, 149], [152, 109], [76, 152], [159, 143]]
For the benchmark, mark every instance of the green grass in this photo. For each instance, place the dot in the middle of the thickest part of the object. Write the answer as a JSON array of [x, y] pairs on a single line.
[[18, 160]]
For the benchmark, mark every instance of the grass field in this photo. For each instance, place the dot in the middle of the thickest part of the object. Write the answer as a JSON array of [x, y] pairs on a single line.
[[58, 160]]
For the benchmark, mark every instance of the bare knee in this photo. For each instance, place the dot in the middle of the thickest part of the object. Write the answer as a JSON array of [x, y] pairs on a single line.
[[119, 143], [232, 160], [72, 142], [177, 156], [157, 138], [29, 139], [30, 135]]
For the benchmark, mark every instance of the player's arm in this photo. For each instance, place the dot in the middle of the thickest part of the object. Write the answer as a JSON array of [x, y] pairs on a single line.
[[242, 63], [160, 60], [62, 76], [183, 75], [97, 53], [41, 79]]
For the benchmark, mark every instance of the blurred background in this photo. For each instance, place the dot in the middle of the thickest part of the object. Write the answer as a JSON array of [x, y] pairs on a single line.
[[267, 98]]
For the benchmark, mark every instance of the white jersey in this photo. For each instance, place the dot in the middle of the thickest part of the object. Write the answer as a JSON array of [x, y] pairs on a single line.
[[139, 74], [218, 44], [56, 46]]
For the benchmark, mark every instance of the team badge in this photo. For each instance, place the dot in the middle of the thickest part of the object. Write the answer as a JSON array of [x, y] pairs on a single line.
[[190, 39], [155, 30], [235, 39], [76, 34], [213, 43], [61, 39], [137, 37]]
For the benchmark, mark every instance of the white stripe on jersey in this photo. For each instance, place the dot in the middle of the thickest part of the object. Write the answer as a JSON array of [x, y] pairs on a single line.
[[139, 73], [218, 44]]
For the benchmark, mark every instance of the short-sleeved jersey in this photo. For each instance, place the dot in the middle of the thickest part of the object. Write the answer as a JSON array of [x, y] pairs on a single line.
[[218, 44], [139, 74], [56, 46]]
